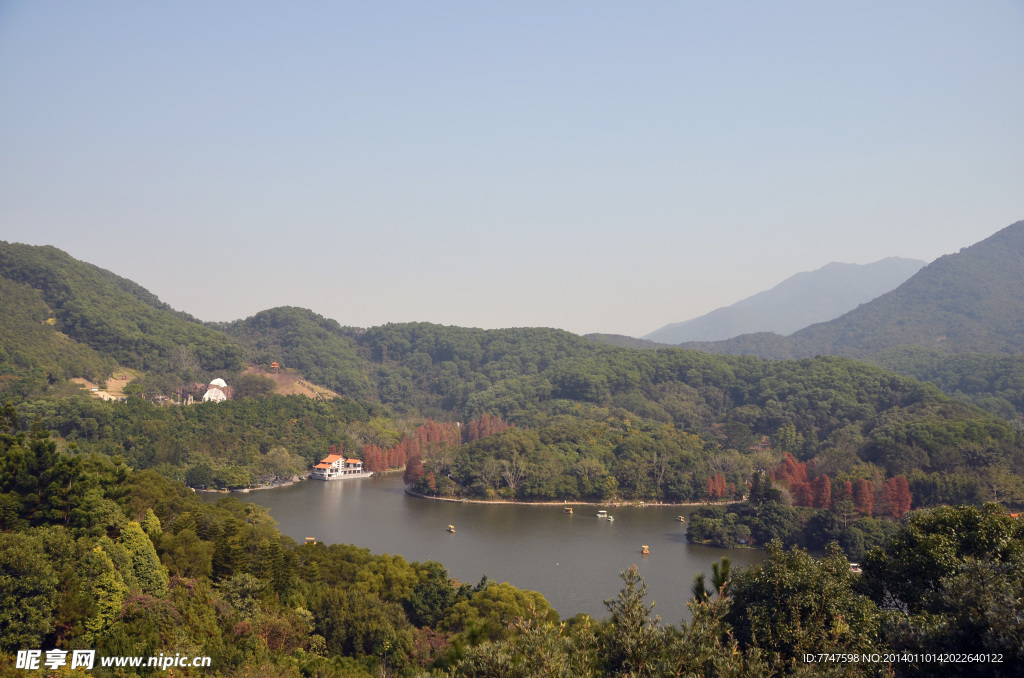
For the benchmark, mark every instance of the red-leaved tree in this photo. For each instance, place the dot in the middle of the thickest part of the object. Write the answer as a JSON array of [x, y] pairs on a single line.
[[896, 497], [794, 474], [822, 488], [864, 497], [413, 470], [717, 487], [483, 426]]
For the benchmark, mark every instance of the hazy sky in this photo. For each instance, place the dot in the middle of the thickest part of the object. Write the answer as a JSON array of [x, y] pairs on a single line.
[[594, 166]]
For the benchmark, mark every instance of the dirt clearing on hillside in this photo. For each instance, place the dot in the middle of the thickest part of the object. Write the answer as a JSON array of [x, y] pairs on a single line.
[[290, 383], [115, 384]]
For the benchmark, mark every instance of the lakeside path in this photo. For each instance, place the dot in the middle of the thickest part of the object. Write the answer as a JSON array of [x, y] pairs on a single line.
[[413, 493]]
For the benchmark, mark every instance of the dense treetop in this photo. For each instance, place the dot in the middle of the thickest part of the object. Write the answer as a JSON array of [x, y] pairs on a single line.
[[992, 382]]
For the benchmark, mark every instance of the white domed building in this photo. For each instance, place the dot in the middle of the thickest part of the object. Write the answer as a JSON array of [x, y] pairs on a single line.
[[216, 392]]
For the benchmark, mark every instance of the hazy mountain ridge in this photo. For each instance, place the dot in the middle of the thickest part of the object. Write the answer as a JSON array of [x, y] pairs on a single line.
[[799, 301], [968, 302]]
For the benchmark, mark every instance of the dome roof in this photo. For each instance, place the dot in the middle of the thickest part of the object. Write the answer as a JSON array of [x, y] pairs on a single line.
[[215, 395], [219, 382]]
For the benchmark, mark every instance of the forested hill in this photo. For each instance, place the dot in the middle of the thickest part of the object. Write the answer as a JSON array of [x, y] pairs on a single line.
[[992, 382], [597, 407], [31, 345], [116, 318], [624, 341], [65, 318], [970, 301], [321, 349]]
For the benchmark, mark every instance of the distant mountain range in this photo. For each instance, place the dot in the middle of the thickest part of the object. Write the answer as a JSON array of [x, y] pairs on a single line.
[[971, 301], [797, 302]]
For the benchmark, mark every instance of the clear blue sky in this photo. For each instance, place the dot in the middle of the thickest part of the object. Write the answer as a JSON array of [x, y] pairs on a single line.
[[593, 166]]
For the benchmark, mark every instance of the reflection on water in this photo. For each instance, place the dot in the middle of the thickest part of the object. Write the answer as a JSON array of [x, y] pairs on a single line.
[[574, 560]]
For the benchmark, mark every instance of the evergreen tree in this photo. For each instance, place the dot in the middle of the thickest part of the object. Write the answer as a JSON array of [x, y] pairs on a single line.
[[28, 592], [107, 590], [431, 597], [635, 639], [146, 569]]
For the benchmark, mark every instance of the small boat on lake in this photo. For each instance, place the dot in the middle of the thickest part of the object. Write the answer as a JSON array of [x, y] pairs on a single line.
[[567, 509], [610, 518], [855, 568], [646, 550], [602, 514], [451, 528], [681, 519]]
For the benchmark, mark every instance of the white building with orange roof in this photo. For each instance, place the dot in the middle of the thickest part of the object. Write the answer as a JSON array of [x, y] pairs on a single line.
[[336, 466]]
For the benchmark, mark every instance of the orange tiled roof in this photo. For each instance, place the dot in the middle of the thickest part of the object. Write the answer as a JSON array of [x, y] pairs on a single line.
[[353, 461], [331, 458], [322, 465]]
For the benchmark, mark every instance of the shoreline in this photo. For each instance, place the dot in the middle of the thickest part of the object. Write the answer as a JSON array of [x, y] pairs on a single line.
[[246, 490], [566, 502], [510, 502], [295, 479]]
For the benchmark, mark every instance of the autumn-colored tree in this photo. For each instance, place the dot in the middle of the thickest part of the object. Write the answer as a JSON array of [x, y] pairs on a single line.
[[439, 434], [717, 487], [399, 460], [864, 497], [483, 426], [794, 474], [903, 495], [373, 459], [791, 471], [896, 497], [413, 470], [822, 487], [424, 442], [410, 446]]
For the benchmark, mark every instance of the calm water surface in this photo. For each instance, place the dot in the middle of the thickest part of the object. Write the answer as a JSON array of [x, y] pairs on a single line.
[[574, 560]]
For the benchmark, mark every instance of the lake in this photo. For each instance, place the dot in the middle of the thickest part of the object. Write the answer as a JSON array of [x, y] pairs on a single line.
[[574, 560]]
